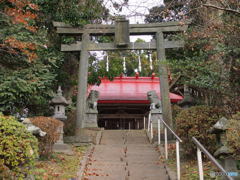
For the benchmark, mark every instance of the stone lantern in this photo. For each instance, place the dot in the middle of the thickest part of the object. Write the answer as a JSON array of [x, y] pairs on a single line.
[[223, 152], [59, 102], [188, 100]]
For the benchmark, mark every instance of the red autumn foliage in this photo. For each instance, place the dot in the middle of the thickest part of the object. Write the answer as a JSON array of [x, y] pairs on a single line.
[[21, 12], [51, 127], [26, 48]]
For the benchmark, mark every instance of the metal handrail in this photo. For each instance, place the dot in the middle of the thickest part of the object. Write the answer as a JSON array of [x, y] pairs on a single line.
[[214, 161], [176, 136], [166, 128], [178, 139]]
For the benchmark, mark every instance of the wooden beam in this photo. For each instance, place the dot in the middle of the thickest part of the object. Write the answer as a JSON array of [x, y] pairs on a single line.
[[111, 46], [119, 116], [174, 81], [134, 29]]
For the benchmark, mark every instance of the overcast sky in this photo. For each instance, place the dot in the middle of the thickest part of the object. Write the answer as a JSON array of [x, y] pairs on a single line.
[[133, 8], [134, 11]]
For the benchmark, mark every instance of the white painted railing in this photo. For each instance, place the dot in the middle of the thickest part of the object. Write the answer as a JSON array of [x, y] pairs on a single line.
[[178, 140], [200, 149], [149, 120], [166, 129]]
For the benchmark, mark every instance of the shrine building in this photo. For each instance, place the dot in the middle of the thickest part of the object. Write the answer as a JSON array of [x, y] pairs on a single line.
[[123, 102]]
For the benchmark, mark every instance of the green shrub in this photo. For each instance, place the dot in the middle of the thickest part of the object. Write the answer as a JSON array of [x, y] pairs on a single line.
[[233, 135], [18, 149], [196, 121], [51, 127], [70, 123], [175, 111]]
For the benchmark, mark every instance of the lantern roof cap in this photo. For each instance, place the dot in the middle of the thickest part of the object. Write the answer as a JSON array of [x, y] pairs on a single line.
[[59, 99], [219, 126]]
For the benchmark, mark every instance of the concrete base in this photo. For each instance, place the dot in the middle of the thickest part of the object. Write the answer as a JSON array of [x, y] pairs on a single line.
[[155, 117], [85, 135], [63, 148], [229, 164], [77, 139], [91, 120]]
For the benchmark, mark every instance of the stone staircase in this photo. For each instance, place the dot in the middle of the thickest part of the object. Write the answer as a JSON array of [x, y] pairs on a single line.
[[124, 155]]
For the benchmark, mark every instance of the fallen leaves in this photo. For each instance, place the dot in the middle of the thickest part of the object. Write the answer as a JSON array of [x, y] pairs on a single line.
[[60, 166]]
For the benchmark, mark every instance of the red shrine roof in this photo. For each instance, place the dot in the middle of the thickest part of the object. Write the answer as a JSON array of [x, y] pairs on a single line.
[[129, 90]]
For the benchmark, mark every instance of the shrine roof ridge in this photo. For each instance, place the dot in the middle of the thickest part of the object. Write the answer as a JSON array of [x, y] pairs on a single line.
[[139, 78]]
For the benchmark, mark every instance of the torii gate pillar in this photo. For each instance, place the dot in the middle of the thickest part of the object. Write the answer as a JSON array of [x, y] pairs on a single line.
[[164, 86], [82, 84]]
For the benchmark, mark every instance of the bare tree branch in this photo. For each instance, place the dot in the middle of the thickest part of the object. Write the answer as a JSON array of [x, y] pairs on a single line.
[[222, 8]]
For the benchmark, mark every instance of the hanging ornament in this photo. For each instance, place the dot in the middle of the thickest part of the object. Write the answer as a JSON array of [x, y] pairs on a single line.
[[151, 62], [139, 63], [96, 65], [124, 65], [107, 64]]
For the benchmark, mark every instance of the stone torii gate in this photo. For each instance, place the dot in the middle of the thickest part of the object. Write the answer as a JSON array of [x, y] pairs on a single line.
[[121, 30]]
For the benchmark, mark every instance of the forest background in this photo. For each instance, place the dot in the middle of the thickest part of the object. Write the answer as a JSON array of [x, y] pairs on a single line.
[[32, 66]]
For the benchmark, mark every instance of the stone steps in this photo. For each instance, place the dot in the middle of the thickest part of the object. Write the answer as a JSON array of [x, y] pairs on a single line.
[[124, 155]]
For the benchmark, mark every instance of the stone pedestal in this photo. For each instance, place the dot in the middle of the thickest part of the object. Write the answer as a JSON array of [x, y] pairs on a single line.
[[229, 164], [59, 146], [155, 116], [60, 131], [91, 120]]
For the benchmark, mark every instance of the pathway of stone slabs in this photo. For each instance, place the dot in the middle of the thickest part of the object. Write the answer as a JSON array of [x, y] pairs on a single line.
[[124, 155]]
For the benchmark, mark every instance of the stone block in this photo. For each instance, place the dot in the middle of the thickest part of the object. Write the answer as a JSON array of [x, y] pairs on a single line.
[[91, 120], [63, 148]]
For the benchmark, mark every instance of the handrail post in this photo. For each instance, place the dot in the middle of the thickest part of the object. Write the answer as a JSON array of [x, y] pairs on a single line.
[[151, 130], [166, 143], [159, 132], [200, 166], [178, 159], [149, 121], [144, 122]]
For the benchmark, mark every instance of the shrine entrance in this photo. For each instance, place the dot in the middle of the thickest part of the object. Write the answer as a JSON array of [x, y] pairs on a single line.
[[121, 30], [122, 116], [121, 124]]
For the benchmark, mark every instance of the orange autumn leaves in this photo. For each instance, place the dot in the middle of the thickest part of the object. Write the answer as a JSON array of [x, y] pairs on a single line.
[[26, 48], [21, 12]]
